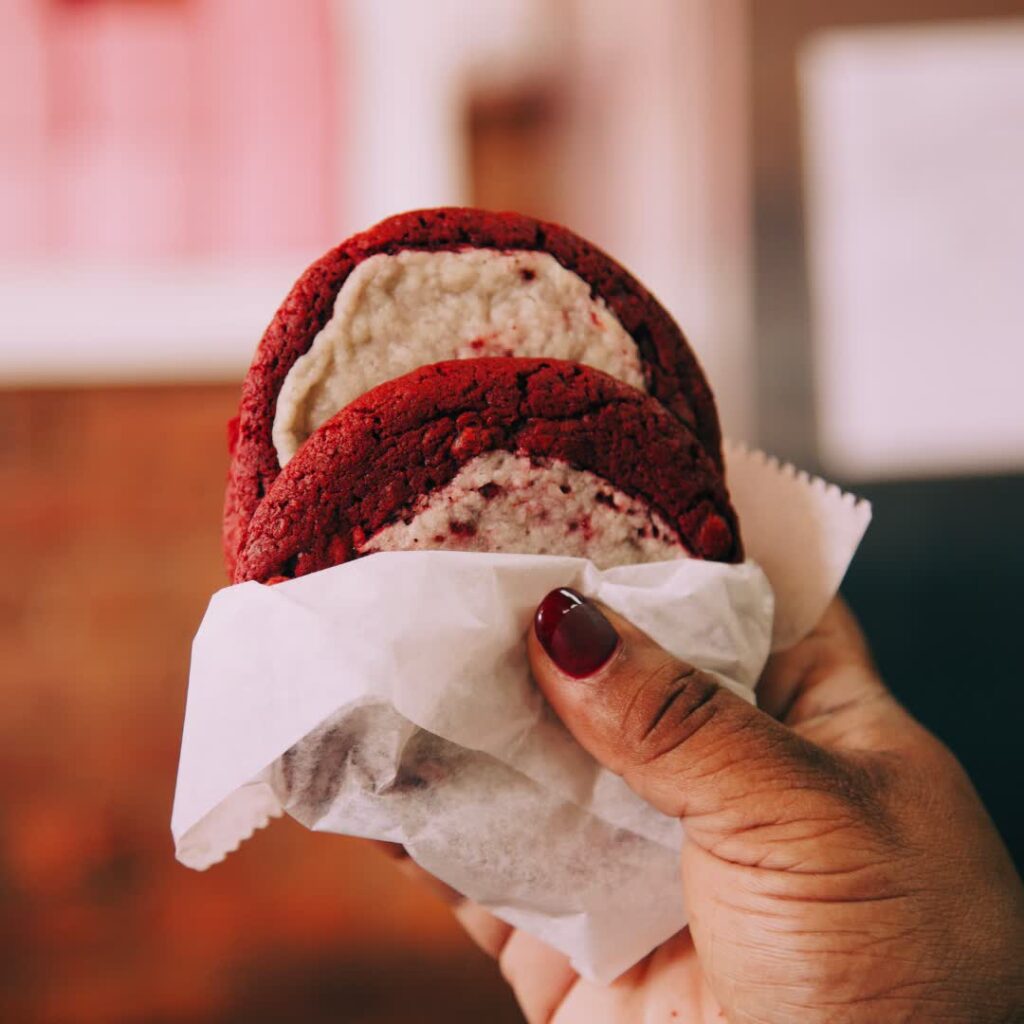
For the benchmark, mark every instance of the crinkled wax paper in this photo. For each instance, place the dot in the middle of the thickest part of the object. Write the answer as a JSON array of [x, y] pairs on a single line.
[[391, 698]]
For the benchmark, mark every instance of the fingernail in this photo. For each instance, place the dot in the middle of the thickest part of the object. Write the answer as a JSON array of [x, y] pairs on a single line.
[[576, 636]]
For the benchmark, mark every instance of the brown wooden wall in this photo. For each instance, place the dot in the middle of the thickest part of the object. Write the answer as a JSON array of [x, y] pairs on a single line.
[[109, 510]]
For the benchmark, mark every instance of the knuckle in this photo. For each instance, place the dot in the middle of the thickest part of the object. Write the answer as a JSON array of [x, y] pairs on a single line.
[[860, 790], [887, 791], [671, 703], [509, 962]]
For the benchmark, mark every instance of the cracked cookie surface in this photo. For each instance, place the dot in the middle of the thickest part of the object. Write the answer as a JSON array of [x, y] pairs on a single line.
[[372, 464]]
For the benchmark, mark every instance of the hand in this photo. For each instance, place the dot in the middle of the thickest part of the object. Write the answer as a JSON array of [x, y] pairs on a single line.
[[838, 865]]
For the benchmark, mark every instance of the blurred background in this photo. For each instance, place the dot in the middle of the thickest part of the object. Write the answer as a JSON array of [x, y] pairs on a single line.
[[826, 194]]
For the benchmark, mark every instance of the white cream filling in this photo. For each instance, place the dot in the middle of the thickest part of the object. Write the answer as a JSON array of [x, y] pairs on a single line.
[[397, 312], [504, 502]]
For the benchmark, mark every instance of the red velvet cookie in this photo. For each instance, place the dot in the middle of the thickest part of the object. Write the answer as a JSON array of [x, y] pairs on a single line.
[[495, 454], [441, 284]]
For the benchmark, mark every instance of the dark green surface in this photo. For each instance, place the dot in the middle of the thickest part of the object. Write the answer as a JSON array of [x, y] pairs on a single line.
[[939, 587]]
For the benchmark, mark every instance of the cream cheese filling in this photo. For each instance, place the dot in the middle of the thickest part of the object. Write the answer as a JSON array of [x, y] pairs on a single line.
[[397, 312], [500, 501]]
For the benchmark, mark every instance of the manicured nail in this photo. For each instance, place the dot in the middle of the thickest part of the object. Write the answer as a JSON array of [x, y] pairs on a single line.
[[576, 636]]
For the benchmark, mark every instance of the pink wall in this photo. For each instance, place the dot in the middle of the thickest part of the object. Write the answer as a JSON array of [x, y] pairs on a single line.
[[166, 129]]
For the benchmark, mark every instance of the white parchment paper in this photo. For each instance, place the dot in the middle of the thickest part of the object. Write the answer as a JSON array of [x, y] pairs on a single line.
[[391, 698]]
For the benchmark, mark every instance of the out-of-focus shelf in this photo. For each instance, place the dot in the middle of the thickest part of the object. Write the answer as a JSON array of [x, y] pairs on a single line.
[[78, 323]]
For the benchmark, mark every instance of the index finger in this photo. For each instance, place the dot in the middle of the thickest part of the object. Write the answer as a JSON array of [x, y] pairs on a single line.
[[809, 678]]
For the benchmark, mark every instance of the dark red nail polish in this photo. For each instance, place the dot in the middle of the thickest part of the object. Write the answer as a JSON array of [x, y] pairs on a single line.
[[576, 636]]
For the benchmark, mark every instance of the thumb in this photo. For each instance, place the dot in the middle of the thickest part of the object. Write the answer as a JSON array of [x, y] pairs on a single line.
[[687, 745]]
